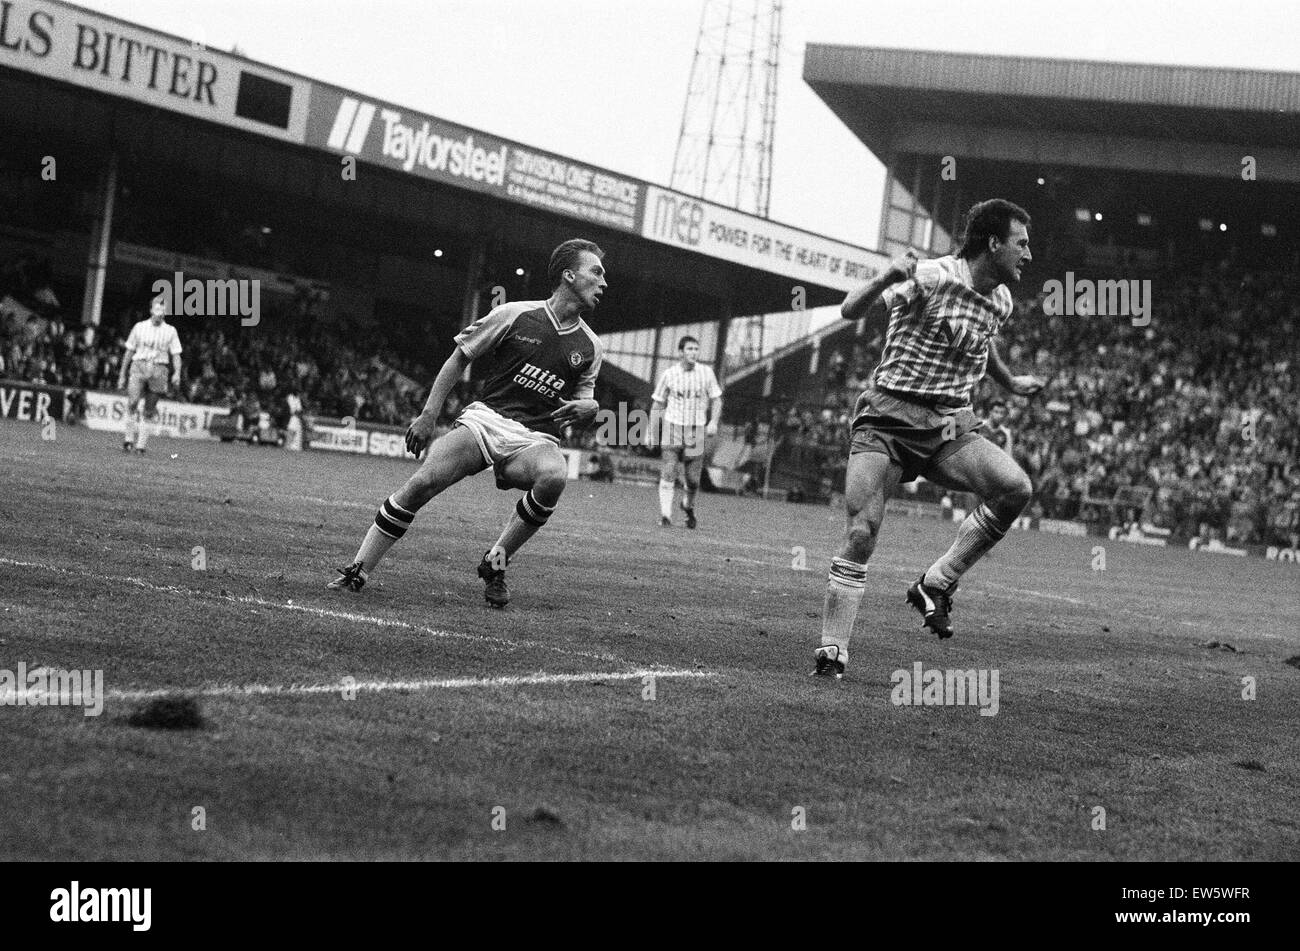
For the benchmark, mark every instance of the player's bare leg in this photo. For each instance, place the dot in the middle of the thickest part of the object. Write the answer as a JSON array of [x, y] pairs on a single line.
[[543, 472], [449, 459], [667, 485], [869, 478], [691, 469], [1004, 490]]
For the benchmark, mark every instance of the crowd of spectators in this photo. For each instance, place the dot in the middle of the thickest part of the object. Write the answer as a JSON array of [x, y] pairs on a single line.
[[1192, 422], [1196, 416], [223, 367], [252, 371]]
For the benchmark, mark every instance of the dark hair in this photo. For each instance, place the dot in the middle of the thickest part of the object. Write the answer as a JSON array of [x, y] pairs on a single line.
[[989, 219], [565, 258], [681, 344]]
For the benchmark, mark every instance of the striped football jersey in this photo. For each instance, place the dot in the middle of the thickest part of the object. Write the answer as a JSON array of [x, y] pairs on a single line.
[[687, 393]]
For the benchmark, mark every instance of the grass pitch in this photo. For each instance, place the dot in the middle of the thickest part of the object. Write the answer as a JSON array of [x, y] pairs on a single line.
[[529, 733]]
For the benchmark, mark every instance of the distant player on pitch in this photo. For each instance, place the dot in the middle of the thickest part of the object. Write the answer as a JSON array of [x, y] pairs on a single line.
[[916, 419], [689, 401], [152, 346], [541, 362]]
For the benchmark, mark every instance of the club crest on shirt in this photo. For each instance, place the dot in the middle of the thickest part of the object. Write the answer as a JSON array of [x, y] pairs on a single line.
[[575, 358]]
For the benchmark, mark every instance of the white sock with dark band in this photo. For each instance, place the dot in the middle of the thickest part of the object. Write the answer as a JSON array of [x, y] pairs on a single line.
[[530, 515], [844, 588], [980, 531], [391, 523]]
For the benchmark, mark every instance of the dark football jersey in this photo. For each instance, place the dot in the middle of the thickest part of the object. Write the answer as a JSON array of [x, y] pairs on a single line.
[[530, 364]]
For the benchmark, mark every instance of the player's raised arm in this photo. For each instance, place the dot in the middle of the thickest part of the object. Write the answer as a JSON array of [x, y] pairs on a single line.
[[1022, 385], [859, 301]]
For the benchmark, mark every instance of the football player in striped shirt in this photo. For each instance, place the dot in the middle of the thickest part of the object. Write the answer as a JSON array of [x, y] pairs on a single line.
[[540, 363], [151, 348], [916, 419], [689, 401]]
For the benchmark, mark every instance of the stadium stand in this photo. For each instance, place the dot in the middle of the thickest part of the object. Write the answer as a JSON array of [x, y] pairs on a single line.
[[245, 371], [1195, 432]]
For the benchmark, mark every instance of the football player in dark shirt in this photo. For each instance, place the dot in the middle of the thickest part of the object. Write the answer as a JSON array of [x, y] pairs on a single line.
[[541, 361], [997, 431]]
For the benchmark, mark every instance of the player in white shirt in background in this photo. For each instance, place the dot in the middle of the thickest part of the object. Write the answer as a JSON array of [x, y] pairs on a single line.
[[689, 401], [294, 428], [152, 346]]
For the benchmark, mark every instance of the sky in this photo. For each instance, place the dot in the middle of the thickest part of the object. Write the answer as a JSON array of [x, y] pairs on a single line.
[[604, 81]]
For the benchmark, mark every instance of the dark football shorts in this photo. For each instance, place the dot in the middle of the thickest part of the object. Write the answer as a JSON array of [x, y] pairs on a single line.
[[912, 431]]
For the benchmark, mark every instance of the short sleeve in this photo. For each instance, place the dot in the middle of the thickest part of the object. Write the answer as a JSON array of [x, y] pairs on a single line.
[[175, 348], [587, 382], [133, 339], [486, 332]]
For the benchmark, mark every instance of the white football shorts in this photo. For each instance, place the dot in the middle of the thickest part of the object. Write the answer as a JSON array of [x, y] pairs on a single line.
[[499, 438]]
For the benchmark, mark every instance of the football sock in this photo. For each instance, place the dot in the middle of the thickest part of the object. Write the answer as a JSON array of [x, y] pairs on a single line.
[[693, 468], [530, 515], [666, 490], [142, 439], [980, 531], [391, 523], [844, 590], [132, 427]]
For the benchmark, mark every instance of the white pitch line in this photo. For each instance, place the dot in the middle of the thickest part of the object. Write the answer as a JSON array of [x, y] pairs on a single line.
[[513, 644], [332, 503], [379, 686], [1040, 594]]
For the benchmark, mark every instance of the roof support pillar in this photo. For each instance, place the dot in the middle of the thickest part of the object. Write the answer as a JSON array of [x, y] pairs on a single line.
[[101, 237]]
